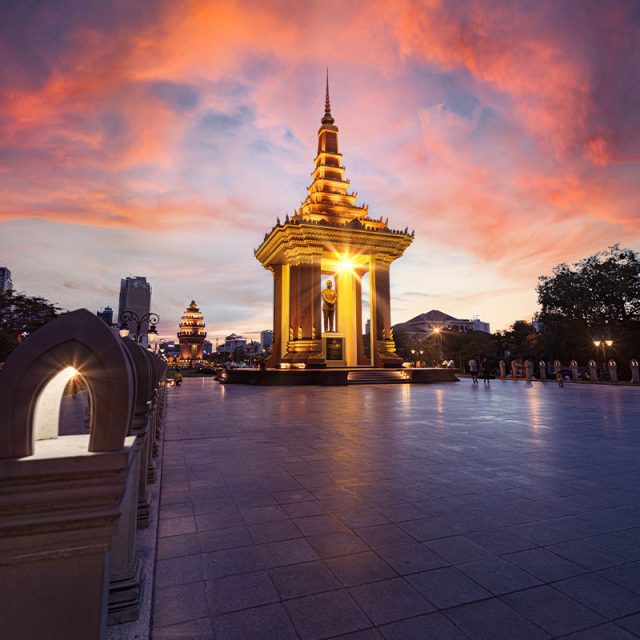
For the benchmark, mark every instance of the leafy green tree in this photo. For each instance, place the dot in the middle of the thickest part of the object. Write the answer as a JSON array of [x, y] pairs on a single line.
[[21, 315], [595, 298]]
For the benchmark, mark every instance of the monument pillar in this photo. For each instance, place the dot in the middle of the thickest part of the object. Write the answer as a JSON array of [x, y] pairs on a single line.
[[304, 345], [280, 312], [362, 359], [382, 345], [346, 316]]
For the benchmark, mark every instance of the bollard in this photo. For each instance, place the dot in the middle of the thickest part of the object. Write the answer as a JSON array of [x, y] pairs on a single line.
[[613, 370], [514, 369], [574, 370], [61, 497], [528, 373], [503, 368], [543, 369], [593, 371]]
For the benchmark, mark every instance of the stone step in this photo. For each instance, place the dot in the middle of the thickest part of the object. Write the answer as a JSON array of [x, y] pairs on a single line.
[[377, 376]]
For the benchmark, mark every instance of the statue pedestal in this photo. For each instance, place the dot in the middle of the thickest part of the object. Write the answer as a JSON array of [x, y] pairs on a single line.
[[333, 349], [307, 352]]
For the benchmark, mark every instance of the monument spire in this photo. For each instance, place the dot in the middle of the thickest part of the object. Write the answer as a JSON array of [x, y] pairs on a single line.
[[327, 118]]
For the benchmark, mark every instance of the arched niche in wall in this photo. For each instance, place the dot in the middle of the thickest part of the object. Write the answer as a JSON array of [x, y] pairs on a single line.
[[33, 379]]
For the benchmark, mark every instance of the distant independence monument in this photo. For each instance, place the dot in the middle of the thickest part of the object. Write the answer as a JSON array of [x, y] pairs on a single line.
[[331, 238]]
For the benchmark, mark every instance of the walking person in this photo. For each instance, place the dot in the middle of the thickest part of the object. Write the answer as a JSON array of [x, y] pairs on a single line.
[[473, 369], [484, 366]]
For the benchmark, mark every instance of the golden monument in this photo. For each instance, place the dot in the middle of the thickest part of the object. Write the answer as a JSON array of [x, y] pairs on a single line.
[[191, 333], [329, 235]]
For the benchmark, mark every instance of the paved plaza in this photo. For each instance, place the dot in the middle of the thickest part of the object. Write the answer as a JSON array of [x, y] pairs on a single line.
[[400, 511]]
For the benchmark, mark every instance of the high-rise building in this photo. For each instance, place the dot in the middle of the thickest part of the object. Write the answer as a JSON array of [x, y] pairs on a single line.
[[5, 280], [106, 314], [135, 296], [266, 340]]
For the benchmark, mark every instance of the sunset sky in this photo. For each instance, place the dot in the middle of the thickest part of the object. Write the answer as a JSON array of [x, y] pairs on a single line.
[[163, 138]]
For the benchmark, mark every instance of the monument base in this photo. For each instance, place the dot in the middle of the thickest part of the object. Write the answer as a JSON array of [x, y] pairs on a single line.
[[386, 355], [307, 352]]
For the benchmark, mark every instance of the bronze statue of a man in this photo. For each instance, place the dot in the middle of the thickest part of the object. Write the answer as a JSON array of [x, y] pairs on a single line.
[[329, 297]]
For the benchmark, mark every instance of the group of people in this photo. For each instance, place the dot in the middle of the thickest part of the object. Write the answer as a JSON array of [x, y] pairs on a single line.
[[483, 369]]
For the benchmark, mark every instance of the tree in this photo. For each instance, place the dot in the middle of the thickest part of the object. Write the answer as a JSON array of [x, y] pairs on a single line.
[[595, 298], [21, 315]]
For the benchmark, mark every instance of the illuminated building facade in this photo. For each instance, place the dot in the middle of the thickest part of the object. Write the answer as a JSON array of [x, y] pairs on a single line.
[[191, 333], [331, 238]]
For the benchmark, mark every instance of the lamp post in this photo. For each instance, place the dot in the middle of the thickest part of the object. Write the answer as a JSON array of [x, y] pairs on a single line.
[[604, 344], [131, 316], [438, 332], [413, 356]]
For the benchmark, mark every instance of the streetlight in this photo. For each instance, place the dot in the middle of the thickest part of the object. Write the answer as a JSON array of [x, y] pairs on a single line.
[[604, 344], [437, 331], [130, 316], [413, 355]]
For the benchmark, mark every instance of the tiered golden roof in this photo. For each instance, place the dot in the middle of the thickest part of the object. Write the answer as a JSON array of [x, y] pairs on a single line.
[[328, 198], [192, 323]]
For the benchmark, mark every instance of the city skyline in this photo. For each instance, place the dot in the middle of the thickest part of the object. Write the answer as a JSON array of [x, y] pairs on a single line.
[[508, 140]]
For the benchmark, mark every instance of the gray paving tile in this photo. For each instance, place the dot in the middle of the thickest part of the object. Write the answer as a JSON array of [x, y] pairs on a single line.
[[269, 622], [284, 552], [323, 523], [500, 540], [545, 565], [554, 612], [338, 543], [602, 632], [175, 546], [493, 620], [181, 603], [269, 513], [499, 576], [586, 554], [624, 543], [174, 571], [219, 539], [362, 518], [429, 528], [367, 634], [627, 576], [447, 587], [219, 520], [274, 531], [193, 630], [234, 593], [390, 600], [294, 581], [176, 526], [631, 624], [400, 512], [411, 558], [384, 535], [326, 615], [601, 595], [218, 564], [433, 625], [458, 549], [302, 509], [359, 568]]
